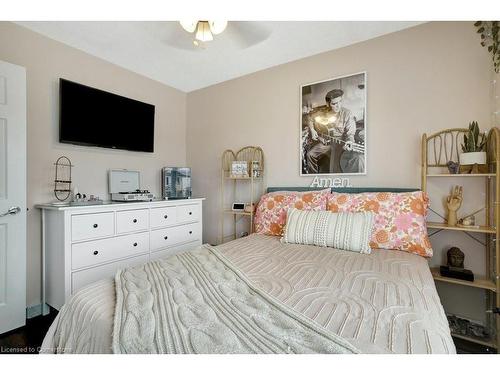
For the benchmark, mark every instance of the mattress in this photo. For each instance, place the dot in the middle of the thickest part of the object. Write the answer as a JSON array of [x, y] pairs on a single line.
[[383, 302]]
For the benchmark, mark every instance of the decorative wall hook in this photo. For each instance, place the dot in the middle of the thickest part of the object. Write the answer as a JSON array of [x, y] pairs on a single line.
[[62, 181]]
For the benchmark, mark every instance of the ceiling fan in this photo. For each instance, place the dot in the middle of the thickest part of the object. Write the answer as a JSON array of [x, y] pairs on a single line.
[[204, 31], [233, 35]]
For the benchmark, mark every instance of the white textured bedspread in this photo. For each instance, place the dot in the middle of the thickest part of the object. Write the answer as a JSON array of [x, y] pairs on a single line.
[[198, 303], [384, 302]]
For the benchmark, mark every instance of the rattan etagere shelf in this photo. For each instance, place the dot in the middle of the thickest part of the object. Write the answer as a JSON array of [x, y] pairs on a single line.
[[437, 150], [460, 175], [477, 283], [478, 229], [254, 183]]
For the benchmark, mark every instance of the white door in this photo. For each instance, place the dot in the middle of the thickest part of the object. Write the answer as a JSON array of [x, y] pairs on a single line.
[[12, 196]]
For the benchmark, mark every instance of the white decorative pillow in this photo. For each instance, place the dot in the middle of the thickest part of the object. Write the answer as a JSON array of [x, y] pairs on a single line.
[[342, 230]]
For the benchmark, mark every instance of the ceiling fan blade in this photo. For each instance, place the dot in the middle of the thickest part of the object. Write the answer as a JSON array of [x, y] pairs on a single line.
[[247, 33], [175, 36]]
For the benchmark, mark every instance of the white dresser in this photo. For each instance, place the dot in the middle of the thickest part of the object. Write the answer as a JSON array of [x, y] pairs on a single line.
[[83, 244]]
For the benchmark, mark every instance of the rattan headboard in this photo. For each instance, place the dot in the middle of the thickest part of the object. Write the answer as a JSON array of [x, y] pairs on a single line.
[[349, 190]]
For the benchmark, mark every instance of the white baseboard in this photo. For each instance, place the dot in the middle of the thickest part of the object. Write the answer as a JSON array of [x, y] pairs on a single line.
[[36, 310]]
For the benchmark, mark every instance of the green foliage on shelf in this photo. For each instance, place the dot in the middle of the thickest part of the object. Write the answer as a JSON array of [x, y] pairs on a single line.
[[474, 141]]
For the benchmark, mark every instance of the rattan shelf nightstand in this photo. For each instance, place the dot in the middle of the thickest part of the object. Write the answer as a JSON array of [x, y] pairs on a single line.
[[254, 184], [437, 150]]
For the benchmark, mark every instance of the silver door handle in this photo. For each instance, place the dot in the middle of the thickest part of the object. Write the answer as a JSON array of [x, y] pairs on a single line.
[[11, 211]]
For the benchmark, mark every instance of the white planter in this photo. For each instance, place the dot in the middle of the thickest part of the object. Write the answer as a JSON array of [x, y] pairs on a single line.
[[470, 158]]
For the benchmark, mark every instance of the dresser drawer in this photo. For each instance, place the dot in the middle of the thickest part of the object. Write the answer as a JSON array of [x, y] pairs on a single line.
[[168, 237], [80, 279], [174, 250], [163, 216], [90, 253], [88, 226], [187, 213], [132, 221]]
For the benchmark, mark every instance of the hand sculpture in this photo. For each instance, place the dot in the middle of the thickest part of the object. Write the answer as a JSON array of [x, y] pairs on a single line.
[[453, 202]]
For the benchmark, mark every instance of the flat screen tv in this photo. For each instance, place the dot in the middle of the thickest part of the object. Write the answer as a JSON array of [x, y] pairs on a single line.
[[93, 117]]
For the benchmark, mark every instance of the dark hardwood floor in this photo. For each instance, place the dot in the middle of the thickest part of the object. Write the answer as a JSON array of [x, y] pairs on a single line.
[[467, 347], [27, 339]]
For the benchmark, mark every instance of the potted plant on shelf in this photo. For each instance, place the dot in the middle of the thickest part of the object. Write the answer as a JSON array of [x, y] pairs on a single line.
[[473, 146]]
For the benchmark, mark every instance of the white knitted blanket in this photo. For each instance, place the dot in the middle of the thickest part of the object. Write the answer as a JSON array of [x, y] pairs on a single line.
[[197, 302]]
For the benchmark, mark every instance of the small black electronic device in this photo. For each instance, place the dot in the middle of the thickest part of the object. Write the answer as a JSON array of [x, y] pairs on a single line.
[[238, 206]]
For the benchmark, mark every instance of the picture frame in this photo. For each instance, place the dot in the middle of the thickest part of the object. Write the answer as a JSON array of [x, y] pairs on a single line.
[[336, 109], [239, 169], [255, 164]]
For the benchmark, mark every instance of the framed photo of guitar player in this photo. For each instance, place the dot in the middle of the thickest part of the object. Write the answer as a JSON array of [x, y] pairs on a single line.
[[333, 126]]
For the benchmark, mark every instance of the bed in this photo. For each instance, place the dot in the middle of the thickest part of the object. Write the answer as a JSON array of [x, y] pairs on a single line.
[[385, 302], [318, 300]]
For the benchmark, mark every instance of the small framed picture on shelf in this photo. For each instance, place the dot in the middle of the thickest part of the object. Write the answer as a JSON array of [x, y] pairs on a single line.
[[239, 169], [255, 169]]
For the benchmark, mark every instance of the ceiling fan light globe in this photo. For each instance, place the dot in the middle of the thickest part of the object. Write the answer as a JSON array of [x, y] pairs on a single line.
[[189, 26], [203, 32], [217, 27]]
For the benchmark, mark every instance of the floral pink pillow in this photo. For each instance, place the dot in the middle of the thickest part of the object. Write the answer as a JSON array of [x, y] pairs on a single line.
[[399, 221], [270, 214]]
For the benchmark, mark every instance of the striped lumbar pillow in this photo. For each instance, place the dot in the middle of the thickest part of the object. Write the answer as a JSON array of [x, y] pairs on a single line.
[[341, 230]]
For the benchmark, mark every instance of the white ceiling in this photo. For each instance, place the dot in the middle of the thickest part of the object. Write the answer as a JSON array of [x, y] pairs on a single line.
[[164, 52]]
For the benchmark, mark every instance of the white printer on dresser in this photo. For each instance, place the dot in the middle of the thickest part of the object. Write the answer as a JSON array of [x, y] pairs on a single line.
[[83, 244]]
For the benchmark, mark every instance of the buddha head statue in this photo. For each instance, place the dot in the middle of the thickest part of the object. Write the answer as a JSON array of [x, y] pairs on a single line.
[[455, 257]]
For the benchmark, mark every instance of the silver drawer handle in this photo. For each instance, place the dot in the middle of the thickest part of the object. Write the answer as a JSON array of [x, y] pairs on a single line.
[[11, 211]]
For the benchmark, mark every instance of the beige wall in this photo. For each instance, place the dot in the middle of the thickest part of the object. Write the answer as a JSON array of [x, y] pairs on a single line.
[[419, 80], [46, 61], [422, 79]]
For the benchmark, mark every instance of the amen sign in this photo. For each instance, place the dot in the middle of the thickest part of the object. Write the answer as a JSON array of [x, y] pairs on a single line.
[[330, 182]]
